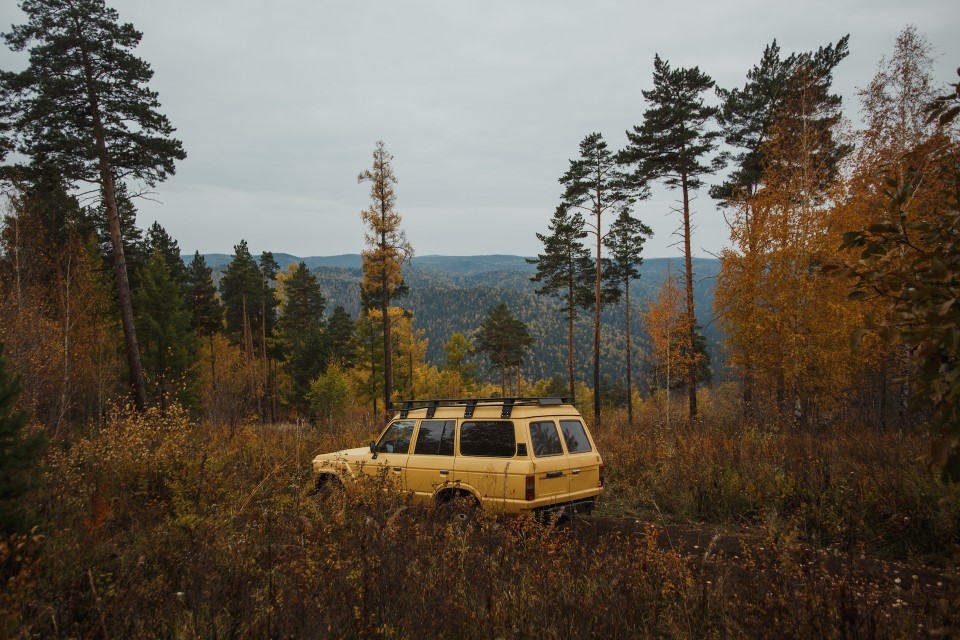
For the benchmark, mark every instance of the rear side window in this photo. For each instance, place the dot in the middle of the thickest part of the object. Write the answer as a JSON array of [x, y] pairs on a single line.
[[396, 439], [487, 439], [546, 440], [435, 438], [575, 436]]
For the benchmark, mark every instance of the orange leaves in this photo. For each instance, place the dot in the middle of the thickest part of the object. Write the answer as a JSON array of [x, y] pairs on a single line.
[[668, 325], [388, 246], [787, 323]]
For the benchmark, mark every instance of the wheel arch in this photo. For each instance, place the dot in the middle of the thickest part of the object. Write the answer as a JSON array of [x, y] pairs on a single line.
[[452, 491]]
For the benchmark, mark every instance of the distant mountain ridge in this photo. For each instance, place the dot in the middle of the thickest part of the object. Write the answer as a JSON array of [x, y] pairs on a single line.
[[454, 293], [461, 265], [465, 265]]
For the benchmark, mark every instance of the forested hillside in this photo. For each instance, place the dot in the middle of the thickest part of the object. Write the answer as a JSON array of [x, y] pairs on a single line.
[[451, 294]]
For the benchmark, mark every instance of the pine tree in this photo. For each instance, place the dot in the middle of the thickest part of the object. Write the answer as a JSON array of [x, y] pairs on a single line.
[[167, 341], [343, 348], [241, 289], [411, 349], [83, 107], [269, 302], [625, 242], [369, 354], [504, 339], [157, 239], [136, 252], [270, 347], [459, 350], [303, 334], [595, 184], [44, 211], [564, 270], [388, 250], [206, 312], [18, 454], [671, 145], [745, 117]]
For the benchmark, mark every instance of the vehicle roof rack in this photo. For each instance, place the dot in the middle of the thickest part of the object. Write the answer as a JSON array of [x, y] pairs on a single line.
[[404, 407]]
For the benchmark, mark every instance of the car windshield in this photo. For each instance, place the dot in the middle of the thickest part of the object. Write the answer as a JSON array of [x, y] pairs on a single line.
[[396, 439]]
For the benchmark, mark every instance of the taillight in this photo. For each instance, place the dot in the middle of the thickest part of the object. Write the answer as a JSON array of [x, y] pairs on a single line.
[[601, 475], [530, 492]]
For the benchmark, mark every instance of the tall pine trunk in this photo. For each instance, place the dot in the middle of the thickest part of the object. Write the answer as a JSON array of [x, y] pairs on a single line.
[[626, 290], [116, 240], [570, 312], [503, 372], [692, 333], [387, 350], [596, 319]]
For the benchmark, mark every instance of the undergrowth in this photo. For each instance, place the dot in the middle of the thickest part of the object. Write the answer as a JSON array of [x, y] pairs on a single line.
[[158, 528], [847, 485]]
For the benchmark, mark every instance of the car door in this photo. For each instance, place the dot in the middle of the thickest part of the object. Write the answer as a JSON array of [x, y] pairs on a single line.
[[393, 449], [484, 461], [430, 464], [583, 458], [550, 465]]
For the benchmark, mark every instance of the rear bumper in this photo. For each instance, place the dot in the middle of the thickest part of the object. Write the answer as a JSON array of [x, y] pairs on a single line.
[[583, 505]]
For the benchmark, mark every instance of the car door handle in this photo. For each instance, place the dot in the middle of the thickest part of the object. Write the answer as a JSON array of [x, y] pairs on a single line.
[[444, 472], [575, 471], [398, 469], [555, 474]]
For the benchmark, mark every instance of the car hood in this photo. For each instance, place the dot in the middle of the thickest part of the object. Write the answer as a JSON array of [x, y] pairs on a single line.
[[338, 458]]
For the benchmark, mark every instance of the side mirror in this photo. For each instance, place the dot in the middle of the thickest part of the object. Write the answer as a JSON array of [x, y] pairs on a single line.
[[373, 449]]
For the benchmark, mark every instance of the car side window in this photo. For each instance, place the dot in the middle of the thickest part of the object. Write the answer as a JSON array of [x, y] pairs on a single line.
[[546, 439], [575, 436], [488, 439], [396, 439], [435, 438]]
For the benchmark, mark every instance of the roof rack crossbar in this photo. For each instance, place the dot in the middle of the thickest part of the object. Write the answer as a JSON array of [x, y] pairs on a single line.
[[468, 411], [470, 404]]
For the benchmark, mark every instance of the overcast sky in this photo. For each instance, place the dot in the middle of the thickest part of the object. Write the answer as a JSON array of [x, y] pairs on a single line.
[[483, 104]]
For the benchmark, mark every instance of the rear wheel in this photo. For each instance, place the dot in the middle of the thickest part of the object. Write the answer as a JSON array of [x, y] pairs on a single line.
[[459, 506]]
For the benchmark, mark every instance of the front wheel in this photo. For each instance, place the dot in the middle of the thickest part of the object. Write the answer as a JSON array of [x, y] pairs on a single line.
[[326, 486]]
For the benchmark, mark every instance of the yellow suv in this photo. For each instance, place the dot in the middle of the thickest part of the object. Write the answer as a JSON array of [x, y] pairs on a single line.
[[507, 455]]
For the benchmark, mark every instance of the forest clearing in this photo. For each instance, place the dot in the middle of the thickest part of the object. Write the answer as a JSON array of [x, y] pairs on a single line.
[[157, 527]]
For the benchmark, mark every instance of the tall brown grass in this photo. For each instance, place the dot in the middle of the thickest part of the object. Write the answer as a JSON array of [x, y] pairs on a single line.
[[844, 484], [157, 528]]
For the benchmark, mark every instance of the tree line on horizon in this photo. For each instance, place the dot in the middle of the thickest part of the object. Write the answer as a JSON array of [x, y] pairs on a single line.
[[834, 233]]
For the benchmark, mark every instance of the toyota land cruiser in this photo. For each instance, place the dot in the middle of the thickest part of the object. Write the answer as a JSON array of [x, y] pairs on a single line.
[[508, 455]]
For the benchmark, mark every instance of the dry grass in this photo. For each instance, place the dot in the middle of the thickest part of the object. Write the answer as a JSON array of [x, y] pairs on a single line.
[[157, 528], [844, 485]]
